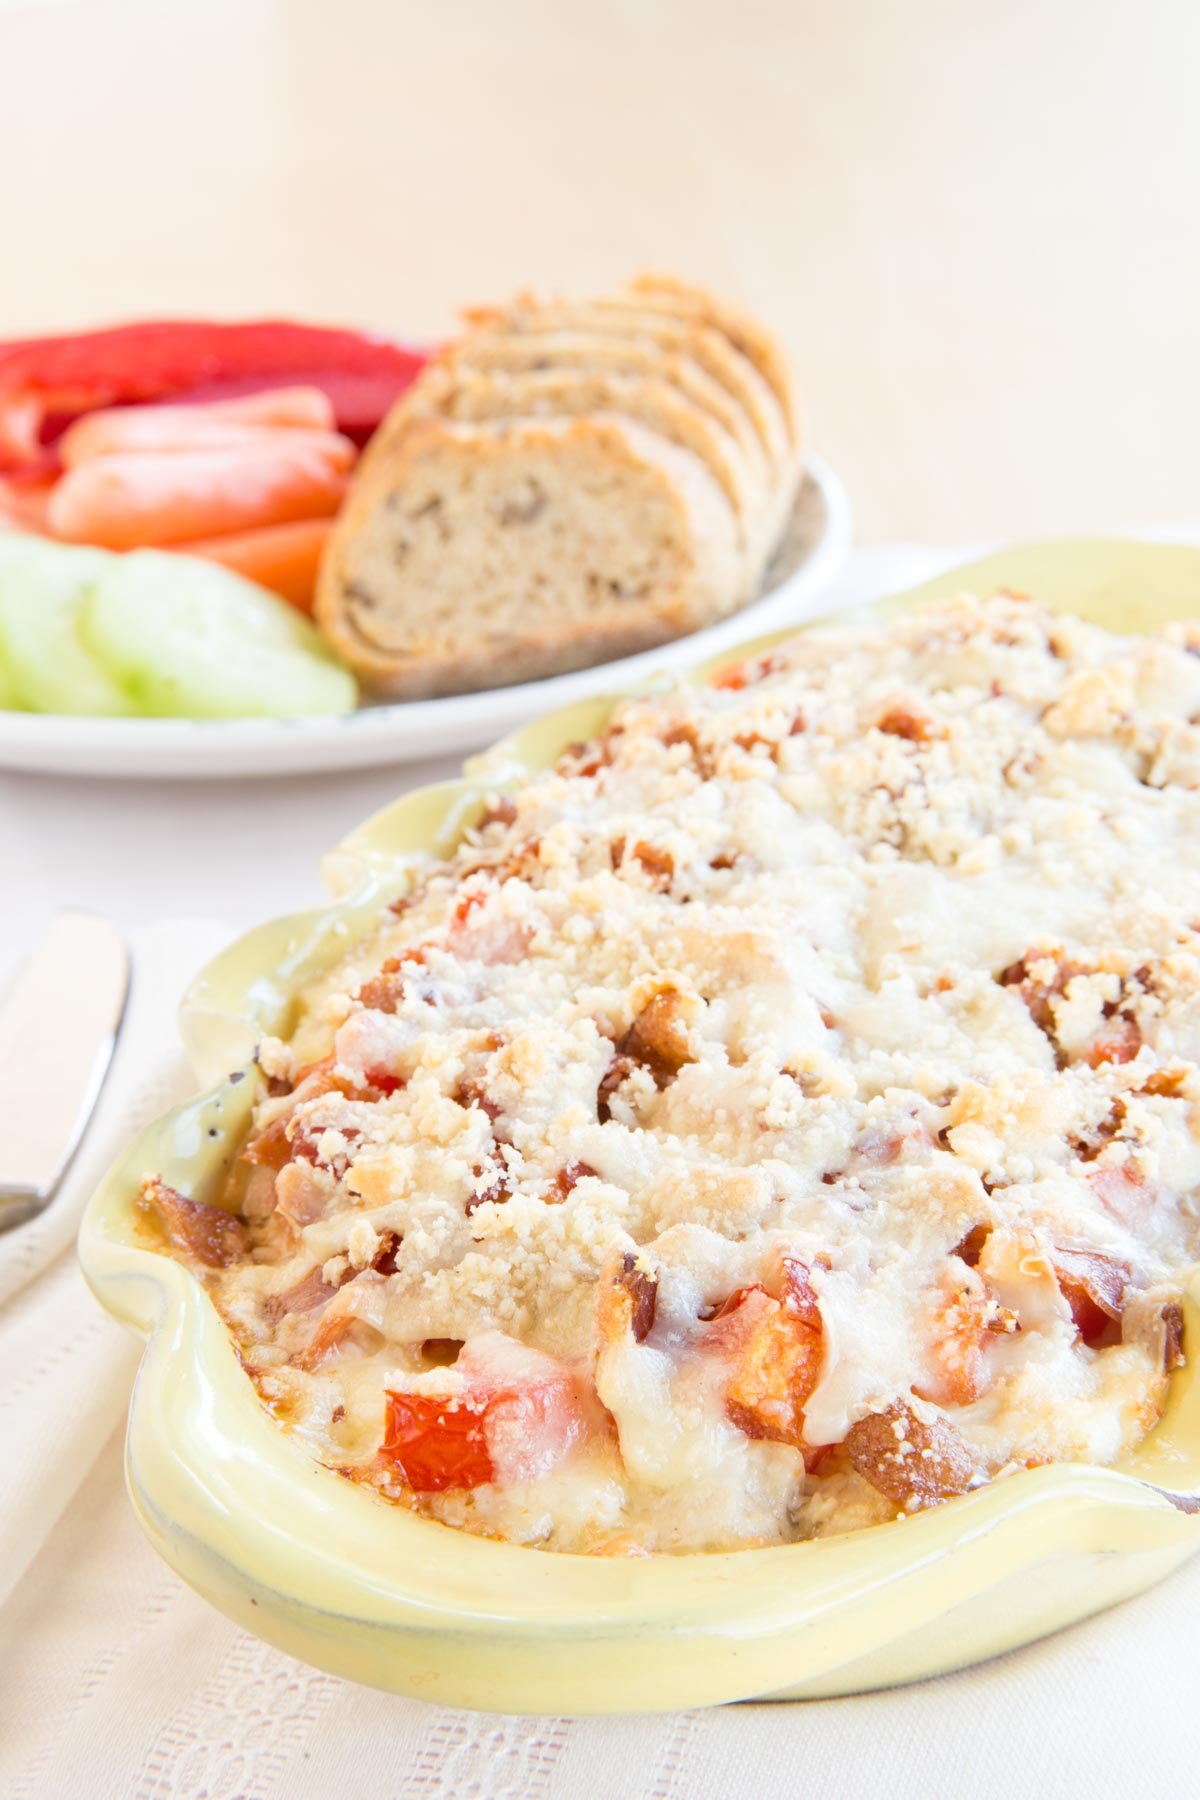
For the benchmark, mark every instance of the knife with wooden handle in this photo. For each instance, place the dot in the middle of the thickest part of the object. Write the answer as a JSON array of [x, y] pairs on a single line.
[[58, 1027]]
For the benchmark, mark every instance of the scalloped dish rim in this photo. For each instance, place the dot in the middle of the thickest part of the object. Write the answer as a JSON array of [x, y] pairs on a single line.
[[333, 1574]]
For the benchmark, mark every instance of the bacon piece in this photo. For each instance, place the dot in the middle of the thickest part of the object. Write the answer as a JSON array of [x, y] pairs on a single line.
[[305, 1295], [901, 721], [569, 1177], [213, 1236], [302, 1194], [470, 1092], [270, 1148], [590, 758], [700, 753], [970, 1247], [657, 863], [384, 991], [637, 1296], [1094, 1287], [1039, 994], [501, 811], [610, 1081], [495, 1195], [1119, 1041], [656, 1040], [283, 1139], [738, 675], [912, 1462], [1173, 1355], [384, 1260]]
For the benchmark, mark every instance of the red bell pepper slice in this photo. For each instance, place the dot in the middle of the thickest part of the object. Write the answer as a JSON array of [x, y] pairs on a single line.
[[47, 382]]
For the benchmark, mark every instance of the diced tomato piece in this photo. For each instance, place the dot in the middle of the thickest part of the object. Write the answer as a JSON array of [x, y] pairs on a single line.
[[1093, 1285], [517, 1415], [437, 1444], [776, 1349], [384, 1082]]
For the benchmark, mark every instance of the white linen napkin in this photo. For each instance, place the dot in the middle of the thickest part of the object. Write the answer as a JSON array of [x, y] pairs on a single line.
[[66, 1367]]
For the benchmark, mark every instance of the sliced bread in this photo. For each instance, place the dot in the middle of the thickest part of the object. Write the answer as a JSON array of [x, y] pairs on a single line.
[[622, 317], [494, 396], [682, 299], [479, 554], [535, 350]]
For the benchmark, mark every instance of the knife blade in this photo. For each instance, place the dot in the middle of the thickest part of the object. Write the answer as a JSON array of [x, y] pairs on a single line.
[[58, 1028]]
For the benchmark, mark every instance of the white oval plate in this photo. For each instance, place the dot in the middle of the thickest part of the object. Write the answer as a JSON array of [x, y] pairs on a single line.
[[417, 729]]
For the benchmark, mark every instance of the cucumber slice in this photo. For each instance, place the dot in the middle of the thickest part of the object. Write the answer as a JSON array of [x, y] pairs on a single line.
[[191, 640], [49, 668], [12, 543], [10, 700]]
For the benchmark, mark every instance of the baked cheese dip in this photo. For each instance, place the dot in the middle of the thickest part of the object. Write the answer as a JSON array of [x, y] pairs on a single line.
[[777, 1117]]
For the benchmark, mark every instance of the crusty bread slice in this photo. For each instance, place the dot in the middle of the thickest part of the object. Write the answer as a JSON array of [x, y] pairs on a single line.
[[457, 391], [669, 293], [651, 326], [659, 328], [534, 350], [477, 555]]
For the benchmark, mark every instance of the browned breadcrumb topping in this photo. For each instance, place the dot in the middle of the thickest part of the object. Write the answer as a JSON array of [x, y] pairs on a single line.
[[778, 1117]]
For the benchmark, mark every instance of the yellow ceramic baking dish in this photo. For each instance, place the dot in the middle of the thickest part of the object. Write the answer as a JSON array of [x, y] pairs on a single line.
[[333, 1574]]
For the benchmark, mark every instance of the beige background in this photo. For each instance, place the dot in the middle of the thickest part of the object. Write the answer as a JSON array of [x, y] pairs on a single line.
[[974, 220]]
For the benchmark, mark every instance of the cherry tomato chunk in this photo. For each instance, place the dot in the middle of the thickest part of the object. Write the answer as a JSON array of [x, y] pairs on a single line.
[[438, 1444]]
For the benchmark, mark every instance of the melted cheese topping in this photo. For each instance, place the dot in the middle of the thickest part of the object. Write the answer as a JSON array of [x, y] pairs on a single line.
[[780, 1115]]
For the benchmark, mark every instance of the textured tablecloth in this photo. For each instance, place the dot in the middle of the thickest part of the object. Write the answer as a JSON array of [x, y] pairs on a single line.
[[117, 1682]]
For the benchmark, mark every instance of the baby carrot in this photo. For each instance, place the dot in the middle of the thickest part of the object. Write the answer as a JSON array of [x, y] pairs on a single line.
[[283, 558], [138, 428], [125, 501]]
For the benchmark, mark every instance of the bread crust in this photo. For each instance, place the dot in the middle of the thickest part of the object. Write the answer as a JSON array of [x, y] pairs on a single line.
[[670, 293], [625, 317]]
